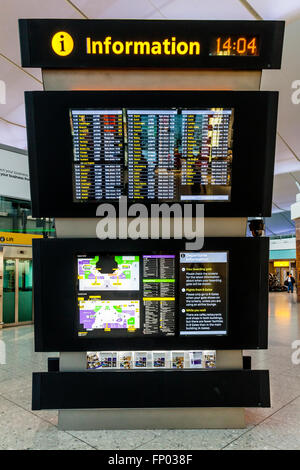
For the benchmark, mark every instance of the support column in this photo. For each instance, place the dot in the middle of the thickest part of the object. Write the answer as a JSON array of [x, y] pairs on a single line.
[[139, 79], [297, 223], [295, 215]]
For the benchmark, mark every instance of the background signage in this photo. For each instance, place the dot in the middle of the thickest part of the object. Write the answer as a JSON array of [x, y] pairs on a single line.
[[151, 43], [14, 175], [281, 264], [8, 238]]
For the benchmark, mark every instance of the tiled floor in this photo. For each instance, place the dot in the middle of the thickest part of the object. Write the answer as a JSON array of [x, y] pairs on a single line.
[[274, 428]]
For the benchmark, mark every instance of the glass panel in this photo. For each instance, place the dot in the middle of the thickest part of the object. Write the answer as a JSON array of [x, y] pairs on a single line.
[[15, 216], [9, 276], [25, 290]]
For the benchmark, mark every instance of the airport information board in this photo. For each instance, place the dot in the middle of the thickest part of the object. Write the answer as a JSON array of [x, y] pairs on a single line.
[[137, 294], [150, 294], [209, 147], [63, 43], [168, 154]]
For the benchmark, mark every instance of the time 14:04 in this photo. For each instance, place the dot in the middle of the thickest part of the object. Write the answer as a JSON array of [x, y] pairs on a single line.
[[237, 46]]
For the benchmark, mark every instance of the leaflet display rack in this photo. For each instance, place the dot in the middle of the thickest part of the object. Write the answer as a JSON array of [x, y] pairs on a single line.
[[121, 69]]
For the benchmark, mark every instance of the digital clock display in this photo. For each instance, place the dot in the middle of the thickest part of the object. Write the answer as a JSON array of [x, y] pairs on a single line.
[[234, 46]]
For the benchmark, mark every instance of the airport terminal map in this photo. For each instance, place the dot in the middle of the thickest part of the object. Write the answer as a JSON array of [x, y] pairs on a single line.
[[109, 314], [125, 294], [108, 293], [114, 273]]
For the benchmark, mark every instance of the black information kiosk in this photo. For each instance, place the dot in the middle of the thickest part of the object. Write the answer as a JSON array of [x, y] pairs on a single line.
[[150, 301]]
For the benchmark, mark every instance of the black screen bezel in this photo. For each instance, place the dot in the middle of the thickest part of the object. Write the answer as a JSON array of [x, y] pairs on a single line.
[[55, 295], [50, 146]]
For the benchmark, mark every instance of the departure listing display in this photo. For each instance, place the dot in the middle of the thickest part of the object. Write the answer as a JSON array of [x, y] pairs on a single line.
[[98, 154], [202, 300], [138, 295], [152, 155], [124, 295]]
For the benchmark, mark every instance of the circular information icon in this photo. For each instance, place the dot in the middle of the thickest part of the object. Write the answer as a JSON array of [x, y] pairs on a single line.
[[62, 43]]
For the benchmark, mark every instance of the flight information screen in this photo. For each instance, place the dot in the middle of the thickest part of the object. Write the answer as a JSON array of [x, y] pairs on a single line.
[[142, 295], [152, 155]]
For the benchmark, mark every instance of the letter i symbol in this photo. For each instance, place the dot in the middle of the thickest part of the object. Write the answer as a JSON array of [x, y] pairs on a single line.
[[62, 43]]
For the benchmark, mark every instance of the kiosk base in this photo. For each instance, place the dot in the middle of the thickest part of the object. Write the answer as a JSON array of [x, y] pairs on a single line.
[[151, 418]]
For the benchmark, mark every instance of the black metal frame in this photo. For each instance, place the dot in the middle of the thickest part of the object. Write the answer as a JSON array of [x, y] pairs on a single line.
[[55, 301], [50, 146], [36, 35], [150, 389]]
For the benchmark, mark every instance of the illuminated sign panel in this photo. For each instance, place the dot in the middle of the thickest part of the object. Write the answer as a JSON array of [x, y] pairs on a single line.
[[10, 238], [235, 46], [281, 264], [171, 154], [249, 45], [150, 294], [166, 47]]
